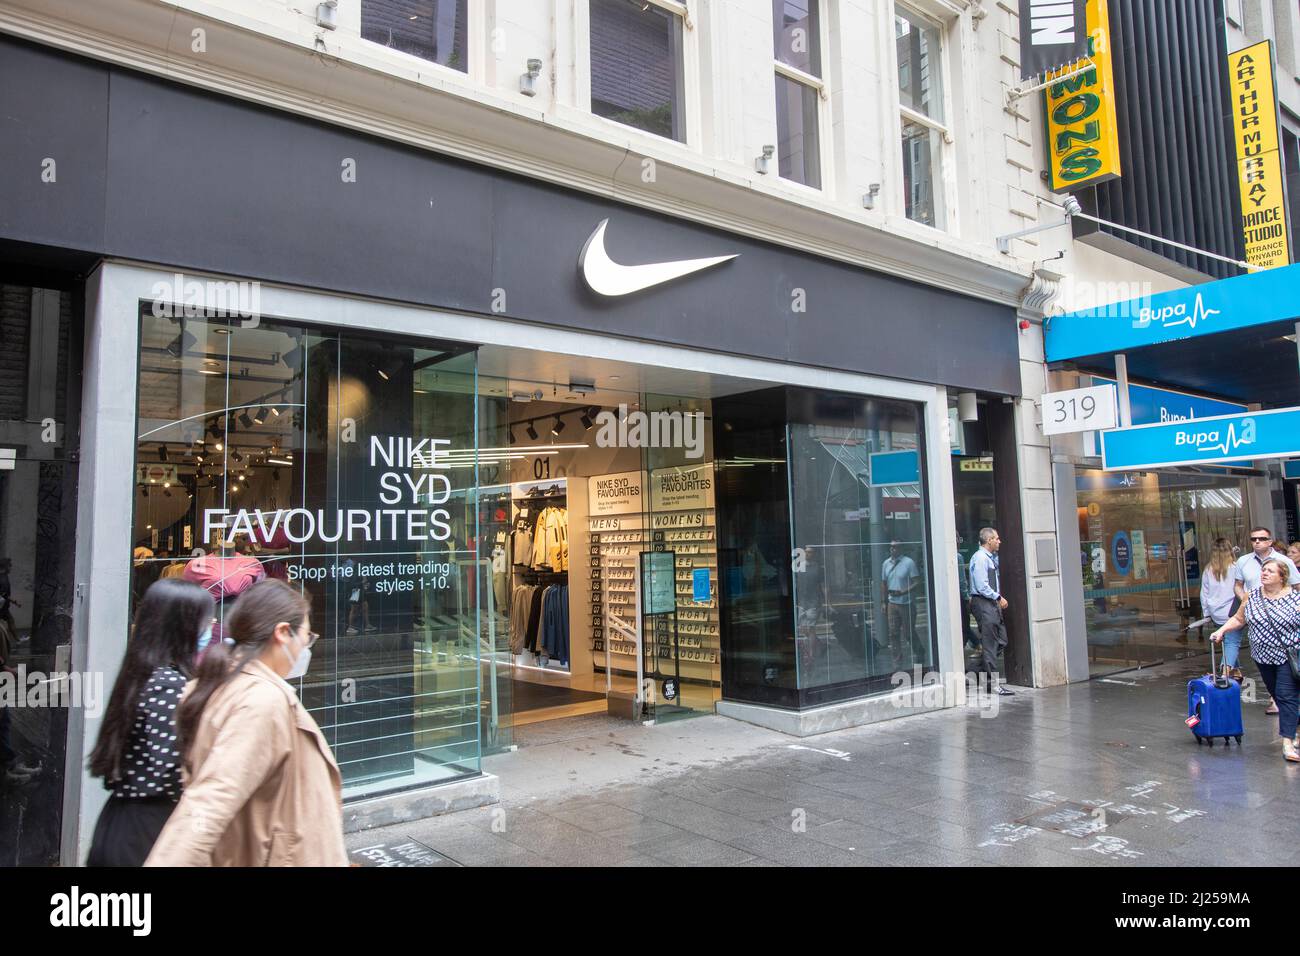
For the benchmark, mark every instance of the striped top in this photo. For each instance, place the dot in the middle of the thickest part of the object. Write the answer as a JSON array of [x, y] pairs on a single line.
[[1274, 625]]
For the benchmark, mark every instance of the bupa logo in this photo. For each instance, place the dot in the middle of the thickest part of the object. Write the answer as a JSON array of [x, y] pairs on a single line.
[[1170, 316], [1223, 440], [1051, 22]]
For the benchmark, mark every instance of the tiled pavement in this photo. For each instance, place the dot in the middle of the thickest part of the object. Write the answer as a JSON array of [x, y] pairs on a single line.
[[1109, 760]]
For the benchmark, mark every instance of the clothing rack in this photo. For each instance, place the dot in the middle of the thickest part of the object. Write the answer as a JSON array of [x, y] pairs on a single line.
[[535, 576]]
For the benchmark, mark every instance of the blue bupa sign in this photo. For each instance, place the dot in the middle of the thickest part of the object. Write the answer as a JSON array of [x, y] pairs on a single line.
[[1224, 306], [895, 468], [1273, 434], [1150, 405]]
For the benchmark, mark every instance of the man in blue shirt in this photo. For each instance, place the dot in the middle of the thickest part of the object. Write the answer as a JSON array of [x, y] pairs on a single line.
[[898, 579], [987, 602]]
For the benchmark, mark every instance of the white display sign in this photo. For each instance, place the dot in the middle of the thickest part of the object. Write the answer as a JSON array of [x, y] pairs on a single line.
[[680, 489], [614, 494], [1079, 410]]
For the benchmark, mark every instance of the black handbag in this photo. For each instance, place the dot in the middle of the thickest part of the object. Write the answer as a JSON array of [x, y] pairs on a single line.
[[1293, 658]]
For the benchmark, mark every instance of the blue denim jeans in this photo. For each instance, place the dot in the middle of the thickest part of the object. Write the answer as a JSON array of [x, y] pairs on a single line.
[[1231, 648], [1282, 685]]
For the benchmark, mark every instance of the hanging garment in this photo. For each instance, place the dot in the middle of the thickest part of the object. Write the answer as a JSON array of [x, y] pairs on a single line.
[[521, 543], [521, 600], [551, 540], [555, 632], [534, 619], [500, 583]]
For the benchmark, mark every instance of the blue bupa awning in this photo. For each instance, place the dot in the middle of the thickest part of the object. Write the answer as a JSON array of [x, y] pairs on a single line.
[[1212, 308]]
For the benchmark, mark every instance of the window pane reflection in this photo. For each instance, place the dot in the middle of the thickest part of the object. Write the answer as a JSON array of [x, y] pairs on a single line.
[[795, 34], [278, 451], [636, 66], [862, 607], [797, 148], [433, 30]]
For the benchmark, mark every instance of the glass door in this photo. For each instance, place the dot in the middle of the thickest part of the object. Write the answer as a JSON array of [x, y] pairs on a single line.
[[681, 649]]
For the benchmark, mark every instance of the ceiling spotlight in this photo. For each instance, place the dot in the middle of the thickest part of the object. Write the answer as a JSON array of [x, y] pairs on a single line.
[[162, 452], [557, 427], [236, 456], [245, 420], [589, 417], [275, 411], [260, 417], [220, 447], [531, 432]]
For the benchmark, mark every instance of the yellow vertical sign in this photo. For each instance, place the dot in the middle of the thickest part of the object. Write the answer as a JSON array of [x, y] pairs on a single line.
[[1259, 161], [1082, 133]]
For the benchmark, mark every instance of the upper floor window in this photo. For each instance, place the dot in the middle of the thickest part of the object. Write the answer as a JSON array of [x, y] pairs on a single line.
[[920, 103], [433, 30], [636, 64], [797, 52]]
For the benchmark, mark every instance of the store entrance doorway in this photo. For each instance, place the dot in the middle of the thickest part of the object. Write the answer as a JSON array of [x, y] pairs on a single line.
[[1145, 539], [598, 520]]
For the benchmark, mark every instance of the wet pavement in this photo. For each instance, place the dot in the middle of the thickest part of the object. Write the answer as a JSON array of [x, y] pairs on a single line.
[[1097, 774]]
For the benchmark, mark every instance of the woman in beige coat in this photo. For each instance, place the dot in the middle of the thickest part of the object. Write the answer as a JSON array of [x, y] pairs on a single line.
[[261, 786]]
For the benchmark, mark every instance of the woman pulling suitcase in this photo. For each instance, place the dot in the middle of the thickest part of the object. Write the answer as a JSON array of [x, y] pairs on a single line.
[[1273, 612]]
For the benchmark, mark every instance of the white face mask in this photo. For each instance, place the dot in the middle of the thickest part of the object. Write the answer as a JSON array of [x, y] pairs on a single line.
[[205, 638], [297, 666]]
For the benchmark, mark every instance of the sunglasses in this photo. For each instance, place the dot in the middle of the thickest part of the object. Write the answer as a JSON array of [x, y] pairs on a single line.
[[1261, 539]]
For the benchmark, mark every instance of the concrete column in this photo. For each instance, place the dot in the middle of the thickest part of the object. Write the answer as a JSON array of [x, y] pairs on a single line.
[[104, 514]]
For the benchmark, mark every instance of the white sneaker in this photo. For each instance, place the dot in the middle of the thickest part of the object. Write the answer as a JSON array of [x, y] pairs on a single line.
[[351, 630]]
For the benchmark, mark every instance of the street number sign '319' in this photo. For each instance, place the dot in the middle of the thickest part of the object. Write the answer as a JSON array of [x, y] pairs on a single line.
[[1079, 410]]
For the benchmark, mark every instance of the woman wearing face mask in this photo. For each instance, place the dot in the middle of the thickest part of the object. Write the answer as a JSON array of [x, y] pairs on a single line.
[[262, 788], [137, 754]]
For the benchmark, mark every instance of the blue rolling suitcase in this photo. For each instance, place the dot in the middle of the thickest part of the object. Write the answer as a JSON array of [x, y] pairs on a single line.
[[1214, 706]]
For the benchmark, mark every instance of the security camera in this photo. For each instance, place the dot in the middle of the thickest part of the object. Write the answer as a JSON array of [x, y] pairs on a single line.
[[1071, 206]]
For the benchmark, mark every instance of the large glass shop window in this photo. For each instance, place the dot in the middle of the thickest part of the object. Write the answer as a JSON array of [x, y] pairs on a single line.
[[858, 517], [345, 465]]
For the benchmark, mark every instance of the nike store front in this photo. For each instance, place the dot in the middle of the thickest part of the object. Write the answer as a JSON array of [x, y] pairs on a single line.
[[520, 480]]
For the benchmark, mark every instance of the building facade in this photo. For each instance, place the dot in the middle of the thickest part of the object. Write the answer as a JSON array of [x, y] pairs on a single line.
[[463, 315]]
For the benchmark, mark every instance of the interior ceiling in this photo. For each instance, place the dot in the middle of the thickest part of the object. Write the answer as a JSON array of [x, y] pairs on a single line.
[[1256, 365], [505, 370]]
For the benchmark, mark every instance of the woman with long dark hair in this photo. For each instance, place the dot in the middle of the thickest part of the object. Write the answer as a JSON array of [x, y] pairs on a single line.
[[262, 788], [137, 753]]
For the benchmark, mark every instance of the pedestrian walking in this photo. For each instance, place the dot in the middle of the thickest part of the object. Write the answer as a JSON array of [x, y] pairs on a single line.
[[1246, 575], [262, 788], [987, 603], [137, 755], [1217, 595], [1272, 612]]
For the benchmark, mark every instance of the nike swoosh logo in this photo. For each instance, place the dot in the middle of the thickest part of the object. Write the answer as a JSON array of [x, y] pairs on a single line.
[[609, 278]]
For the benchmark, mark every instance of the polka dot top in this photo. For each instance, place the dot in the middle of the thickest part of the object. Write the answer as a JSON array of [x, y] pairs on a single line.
[[152, 765]]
